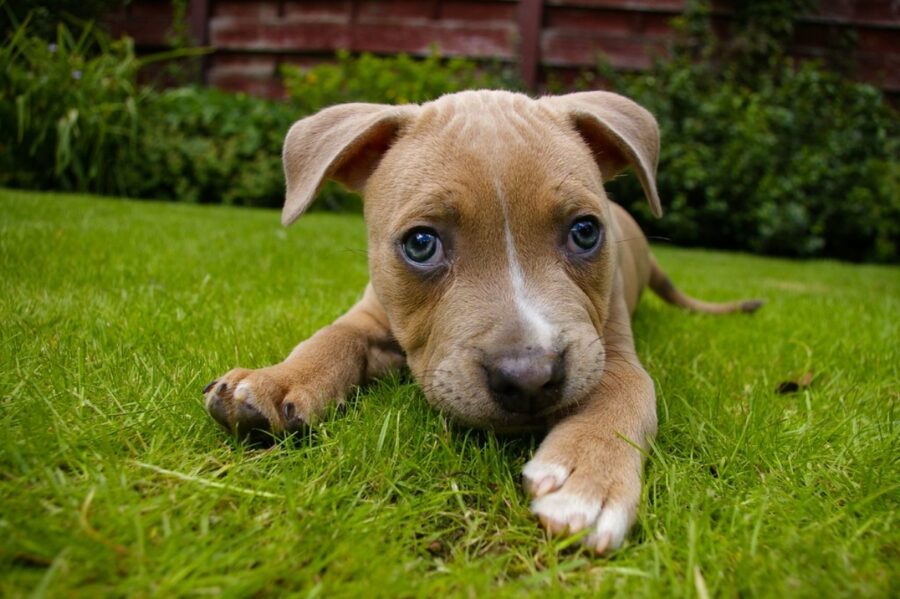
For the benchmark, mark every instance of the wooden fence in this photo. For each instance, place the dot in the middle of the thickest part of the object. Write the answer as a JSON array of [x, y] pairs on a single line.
[[251, 39]]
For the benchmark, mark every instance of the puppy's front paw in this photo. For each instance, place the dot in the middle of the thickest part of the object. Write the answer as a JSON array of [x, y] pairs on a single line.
[[574, 493], [256, 403]]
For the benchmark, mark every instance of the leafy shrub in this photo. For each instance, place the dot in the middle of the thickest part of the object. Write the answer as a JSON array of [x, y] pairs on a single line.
[[68, 110], [389, 80], [45, 15], [72, 116], [783, 158], [206, 145]]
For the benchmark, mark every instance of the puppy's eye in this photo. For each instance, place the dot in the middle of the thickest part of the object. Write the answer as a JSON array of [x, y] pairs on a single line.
[[423, 246], [585, 235]]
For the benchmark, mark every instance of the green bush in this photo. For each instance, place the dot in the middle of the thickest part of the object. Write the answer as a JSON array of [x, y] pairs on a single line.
[[800, 165], [73, 117], [389, 80], [781, 158], [206, 145], [68, 110], [45, 15]]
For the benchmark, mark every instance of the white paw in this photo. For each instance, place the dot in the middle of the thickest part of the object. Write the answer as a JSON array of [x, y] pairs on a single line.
[[563, 510], [543, 477]]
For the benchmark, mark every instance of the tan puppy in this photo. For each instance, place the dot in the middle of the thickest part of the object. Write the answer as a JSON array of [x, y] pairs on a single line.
[[500, 273]]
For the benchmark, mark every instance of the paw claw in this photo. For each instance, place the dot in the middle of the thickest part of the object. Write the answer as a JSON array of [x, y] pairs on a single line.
[[545, 485], [560, 512], [542, 478], [600, 544], [577, 523], [293, 421], [288, 410], [610, 531], [554, 527], [216, 408]]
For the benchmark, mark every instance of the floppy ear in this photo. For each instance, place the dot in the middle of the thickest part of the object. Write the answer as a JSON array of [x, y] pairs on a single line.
[[344, 142], [619, 132]]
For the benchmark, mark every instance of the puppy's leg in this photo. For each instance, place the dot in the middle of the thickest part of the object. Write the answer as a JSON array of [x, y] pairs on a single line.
[[357, 347], [587, 472]]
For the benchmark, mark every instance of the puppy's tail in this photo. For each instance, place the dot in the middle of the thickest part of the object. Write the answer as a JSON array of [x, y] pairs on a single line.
[[662, 285]]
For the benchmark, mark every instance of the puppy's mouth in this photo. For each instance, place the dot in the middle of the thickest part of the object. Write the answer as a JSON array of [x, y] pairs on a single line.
[[480, 406], [513, 387]]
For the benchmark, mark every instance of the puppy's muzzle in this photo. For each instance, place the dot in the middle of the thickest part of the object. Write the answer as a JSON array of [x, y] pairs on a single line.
[[526, 382]]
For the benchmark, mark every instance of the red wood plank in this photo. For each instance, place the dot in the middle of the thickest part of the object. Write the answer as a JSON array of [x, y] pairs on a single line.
[[860, 12], [621, 22], [452, 39], [279, 35], [146, 31], [395, 8], [879, 40], [475, 10], [630, 53], [256, 74], [387, 35], [265, 9], [150, 9], [337, 9], [670, 6], [249, 65], [266, 88], [880, 70]]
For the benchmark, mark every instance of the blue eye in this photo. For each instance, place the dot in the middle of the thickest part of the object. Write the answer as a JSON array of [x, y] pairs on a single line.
[[423, 246], [585, 234]]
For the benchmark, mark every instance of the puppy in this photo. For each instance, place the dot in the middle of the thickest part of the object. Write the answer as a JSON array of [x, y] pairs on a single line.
[[502, 276]]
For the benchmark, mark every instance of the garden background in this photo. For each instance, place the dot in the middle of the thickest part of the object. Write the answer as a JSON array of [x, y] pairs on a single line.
[[141, 257], [762, 150]]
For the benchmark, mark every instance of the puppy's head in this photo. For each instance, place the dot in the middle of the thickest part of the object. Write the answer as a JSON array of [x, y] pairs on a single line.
[[491, 244]]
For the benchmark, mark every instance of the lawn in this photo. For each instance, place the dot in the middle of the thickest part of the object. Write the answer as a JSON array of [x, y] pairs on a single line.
[[114, 481]]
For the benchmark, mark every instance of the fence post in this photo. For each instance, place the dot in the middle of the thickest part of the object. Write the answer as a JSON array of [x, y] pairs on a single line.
[[530, 20], [200, 32]]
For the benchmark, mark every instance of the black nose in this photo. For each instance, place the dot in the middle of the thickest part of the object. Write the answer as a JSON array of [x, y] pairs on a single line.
[[526, 382]]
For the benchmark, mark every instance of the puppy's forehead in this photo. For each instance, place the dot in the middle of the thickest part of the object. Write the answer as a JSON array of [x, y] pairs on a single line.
[[487, 116], [468, 150], [492, 128]]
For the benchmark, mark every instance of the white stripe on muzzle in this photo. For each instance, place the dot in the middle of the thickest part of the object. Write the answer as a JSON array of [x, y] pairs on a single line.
[[538, 329]]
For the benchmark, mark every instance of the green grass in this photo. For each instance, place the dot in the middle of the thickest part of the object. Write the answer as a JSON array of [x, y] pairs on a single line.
[[114, 481]]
